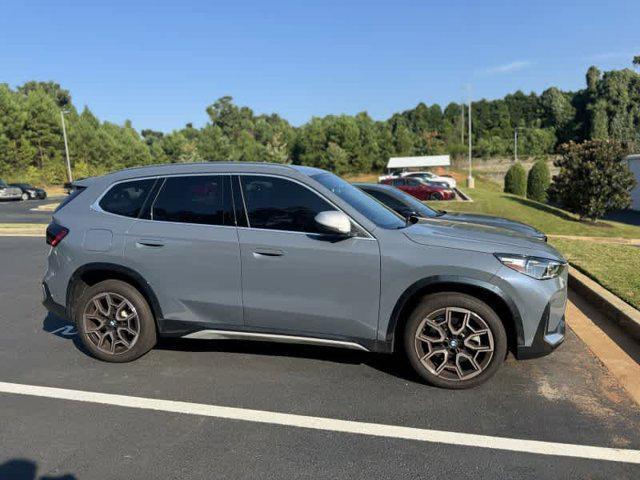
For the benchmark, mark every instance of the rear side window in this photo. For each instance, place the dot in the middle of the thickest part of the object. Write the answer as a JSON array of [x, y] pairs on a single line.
[[388, 200], [127, 198], [202, 199], [279, 204], [73, 194]]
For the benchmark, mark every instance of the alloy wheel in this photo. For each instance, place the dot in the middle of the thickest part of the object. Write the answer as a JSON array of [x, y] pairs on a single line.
[[111, 323], [454, 343]]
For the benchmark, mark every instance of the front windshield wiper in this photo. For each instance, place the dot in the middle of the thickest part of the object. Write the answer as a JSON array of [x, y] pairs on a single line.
[[440, 213]]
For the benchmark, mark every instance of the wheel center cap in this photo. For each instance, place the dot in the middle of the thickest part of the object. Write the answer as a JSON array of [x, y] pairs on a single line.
[[113, 323], [453, 343]]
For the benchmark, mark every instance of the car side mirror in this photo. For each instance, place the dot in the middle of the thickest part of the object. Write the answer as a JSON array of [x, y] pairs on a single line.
[[334, 221]]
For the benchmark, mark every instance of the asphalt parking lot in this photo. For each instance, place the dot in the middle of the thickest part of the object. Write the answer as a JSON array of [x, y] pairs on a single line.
[[26, 212], [566, 398]]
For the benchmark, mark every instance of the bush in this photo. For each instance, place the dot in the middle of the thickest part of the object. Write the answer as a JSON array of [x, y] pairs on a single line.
[[515, 181], [593, 179], [538, 181]]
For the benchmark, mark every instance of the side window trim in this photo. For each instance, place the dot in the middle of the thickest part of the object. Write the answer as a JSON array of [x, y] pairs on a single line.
[[239, 206], [361, 232]]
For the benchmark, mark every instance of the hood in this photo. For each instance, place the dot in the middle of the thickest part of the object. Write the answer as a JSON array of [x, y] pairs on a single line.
[[500, 222], [482, 238]]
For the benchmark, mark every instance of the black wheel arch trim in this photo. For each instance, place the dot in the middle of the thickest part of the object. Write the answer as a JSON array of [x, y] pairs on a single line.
[[453, 280], [121, 270]]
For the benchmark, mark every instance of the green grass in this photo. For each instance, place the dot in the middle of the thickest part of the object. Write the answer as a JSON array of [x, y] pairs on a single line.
[[615, 267], [489, 198]]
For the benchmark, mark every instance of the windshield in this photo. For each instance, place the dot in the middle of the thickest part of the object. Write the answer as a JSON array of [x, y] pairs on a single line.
[[363, 203]]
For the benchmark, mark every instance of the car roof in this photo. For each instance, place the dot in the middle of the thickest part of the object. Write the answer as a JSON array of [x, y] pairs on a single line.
[[204, 167]]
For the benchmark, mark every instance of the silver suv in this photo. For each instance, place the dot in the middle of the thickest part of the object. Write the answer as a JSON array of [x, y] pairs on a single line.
[[295, 254]]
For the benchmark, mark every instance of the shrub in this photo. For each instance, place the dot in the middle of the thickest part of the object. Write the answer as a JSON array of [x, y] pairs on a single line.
[[538, 181], [593, 179], [515, 181]]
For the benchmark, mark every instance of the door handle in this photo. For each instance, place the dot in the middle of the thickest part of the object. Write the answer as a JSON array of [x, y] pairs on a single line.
[[267, 252], [148, 242]]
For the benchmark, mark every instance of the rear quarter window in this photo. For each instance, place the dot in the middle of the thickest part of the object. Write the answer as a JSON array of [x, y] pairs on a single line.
[[127, 198]]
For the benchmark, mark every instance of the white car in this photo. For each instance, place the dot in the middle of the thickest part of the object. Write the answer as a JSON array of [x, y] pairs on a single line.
[[431, 177], [9, 193]]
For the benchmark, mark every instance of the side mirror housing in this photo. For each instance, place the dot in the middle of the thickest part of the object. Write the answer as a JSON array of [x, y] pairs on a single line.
[[333, 221]]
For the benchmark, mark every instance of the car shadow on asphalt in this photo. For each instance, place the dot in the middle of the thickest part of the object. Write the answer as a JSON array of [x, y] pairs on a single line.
[[23, 469], [63, 329], [394, 364]]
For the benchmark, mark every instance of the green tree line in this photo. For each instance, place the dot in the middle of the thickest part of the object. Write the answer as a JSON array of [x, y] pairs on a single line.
[[32, 148]]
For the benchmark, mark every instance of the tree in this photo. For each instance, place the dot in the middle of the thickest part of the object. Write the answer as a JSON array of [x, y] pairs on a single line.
[[515, 181], [636, 61], [538, 181], [593, 179]]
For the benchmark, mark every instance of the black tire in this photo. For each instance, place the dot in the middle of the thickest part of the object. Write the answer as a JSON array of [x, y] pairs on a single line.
[[436, 302], [146, 337], [436, 196]]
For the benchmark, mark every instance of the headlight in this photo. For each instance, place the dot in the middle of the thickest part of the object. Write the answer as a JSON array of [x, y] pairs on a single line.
[[536, 267]]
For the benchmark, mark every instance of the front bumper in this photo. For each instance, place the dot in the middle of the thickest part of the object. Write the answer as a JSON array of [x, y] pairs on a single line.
[[545, 341]]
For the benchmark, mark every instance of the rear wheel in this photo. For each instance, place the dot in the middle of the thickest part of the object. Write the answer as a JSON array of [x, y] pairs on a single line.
[[436, 196], [114, 322], [454, 340], [25, 196]]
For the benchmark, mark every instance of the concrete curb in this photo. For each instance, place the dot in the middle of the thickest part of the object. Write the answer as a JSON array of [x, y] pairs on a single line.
[[612, 306]]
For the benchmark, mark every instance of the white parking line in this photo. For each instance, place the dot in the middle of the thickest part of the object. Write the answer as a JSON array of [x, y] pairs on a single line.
[[331, 424]]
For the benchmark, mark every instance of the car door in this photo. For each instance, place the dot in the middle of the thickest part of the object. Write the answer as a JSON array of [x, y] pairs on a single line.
[[297, 279], [186, 247], [416, 188]]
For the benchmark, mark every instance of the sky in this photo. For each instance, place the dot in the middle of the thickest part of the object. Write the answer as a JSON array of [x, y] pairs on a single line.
[[160, 64]]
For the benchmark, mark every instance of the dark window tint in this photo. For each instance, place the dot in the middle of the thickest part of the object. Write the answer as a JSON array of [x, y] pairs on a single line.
[[280, 204], [412, 182], [197, 199], [388, 200], [399, 182], [127, 198]]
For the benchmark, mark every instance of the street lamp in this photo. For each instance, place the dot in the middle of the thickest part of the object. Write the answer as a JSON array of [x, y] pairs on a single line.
[[470, 180], [515, 142], [66, 146]]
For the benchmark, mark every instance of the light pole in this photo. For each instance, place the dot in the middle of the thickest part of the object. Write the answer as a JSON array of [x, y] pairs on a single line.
[[470, 180], [515, 142], [66, 146]]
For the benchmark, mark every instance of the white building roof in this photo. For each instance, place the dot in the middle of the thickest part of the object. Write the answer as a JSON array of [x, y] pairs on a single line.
[[416, 162]]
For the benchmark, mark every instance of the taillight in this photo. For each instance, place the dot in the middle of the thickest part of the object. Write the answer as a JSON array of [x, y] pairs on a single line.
[[55, 234]]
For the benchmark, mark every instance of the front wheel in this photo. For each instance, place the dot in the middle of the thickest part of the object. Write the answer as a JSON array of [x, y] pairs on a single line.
[[454, 340], [114, 322], [25, 196], [436, 196]]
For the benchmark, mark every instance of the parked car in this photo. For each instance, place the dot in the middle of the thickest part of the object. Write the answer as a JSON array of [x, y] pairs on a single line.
[[432, 177], [408, 206], [294, 254], [9, 193], [421, 190], [29, 191]]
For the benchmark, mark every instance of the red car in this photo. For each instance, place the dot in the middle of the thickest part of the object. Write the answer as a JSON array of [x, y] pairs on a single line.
[[420, 189]]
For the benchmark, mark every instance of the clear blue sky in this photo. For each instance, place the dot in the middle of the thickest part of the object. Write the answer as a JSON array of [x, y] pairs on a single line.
[[161, 63]]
